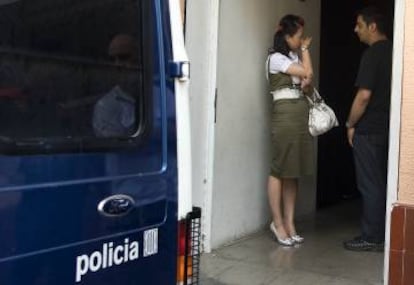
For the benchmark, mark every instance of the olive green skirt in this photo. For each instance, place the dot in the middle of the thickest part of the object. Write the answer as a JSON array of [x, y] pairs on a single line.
[[292, 145]]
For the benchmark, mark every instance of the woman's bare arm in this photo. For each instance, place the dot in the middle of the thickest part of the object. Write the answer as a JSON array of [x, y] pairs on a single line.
[[305, 69]]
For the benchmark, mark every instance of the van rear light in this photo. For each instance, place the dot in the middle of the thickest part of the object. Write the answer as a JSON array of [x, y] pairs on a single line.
[[189, 247]]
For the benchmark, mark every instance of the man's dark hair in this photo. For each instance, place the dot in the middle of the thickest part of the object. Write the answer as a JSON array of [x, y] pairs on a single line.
[[372, 15]]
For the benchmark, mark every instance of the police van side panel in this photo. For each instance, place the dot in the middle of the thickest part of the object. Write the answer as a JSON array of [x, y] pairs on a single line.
[[88, 152]]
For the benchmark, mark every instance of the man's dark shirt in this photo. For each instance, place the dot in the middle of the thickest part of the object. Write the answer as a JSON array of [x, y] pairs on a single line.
[[375, 74]]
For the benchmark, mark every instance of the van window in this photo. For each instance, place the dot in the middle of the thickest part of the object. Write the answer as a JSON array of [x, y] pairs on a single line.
[[75, 75]]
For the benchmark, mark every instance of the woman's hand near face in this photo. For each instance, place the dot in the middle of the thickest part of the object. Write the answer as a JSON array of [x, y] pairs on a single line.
[[305, 43], [303, 70]]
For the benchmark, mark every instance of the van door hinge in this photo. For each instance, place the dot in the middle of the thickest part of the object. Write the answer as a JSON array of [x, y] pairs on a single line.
[[179, 70]]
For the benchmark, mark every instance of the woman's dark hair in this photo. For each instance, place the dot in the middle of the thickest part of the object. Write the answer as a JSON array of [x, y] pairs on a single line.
[[288, 25]]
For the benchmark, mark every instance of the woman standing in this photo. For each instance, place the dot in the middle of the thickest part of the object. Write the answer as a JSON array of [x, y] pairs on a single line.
[[290, 74]]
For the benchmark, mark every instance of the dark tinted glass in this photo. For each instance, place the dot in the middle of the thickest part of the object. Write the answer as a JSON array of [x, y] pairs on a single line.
[[71, 74]]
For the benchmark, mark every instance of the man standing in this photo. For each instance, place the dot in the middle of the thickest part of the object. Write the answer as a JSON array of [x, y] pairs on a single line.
[[367, 129]]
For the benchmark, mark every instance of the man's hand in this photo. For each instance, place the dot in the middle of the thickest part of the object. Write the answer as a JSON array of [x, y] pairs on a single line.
[[357, 111], [350, 134]]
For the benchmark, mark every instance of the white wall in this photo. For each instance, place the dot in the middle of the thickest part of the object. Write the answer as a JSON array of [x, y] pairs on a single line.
[[235, 150], [197, 27], [241, 161], [201, 45]]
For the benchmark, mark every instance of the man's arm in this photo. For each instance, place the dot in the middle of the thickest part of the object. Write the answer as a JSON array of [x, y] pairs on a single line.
[[358, 106], [357, 110]]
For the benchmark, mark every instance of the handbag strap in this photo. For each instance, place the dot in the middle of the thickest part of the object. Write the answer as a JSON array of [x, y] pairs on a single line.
[[315, 97]]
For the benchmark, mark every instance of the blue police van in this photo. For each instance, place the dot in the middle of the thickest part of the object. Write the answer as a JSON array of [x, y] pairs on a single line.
[[95, 153]]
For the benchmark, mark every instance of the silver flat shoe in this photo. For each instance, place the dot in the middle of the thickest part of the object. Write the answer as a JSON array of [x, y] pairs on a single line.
[[297, 239], [286, 242]]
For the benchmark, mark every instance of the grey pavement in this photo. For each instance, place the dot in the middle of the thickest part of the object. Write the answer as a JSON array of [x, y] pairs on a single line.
[[259, 260]]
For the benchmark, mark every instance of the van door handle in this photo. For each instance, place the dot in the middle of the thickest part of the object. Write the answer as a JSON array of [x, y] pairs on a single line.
[[116, 205]]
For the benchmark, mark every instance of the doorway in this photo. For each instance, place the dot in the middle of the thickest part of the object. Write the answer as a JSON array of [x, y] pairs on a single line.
[[336, 178], [340, 50]]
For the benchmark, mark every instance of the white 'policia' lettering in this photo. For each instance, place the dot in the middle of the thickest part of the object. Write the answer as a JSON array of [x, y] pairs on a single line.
[[108, 257]]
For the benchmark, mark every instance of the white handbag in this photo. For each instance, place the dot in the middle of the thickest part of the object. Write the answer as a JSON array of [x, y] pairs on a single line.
[[321, 117]]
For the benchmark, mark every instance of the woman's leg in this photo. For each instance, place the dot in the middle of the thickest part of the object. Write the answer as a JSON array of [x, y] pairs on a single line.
[[275, 199], [290, 188]]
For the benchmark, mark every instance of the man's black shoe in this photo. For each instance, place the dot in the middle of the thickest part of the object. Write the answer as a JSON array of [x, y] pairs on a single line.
[[358, 244]]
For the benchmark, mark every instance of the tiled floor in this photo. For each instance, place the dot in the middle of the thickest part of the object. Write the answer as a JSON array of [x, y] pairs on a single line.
[[259, 260]]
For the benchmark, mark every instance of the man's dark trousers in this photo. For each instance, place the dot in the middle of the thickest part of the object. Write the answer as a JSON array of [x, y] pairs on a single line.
[[371, 156]]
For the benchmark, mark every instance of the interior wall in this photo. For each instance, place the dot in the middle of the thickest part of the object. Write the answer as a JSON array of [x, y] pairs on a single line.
[[242, 138]]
